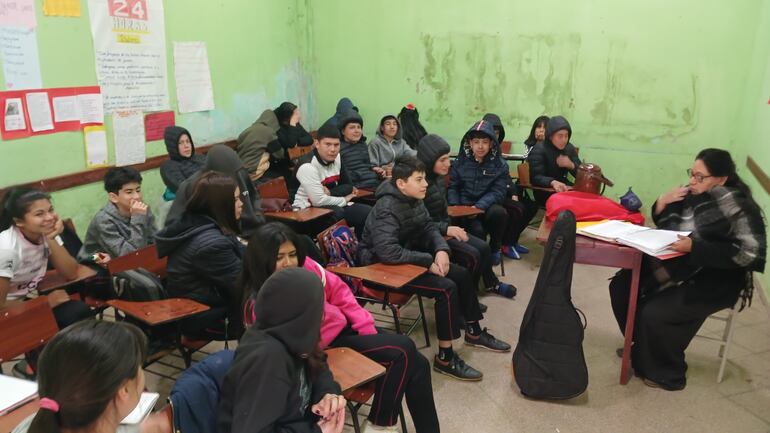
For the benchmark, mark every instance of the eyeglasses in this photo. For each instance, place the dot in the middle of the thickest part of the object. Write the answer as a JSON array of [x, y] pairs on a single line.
[[698, 177]]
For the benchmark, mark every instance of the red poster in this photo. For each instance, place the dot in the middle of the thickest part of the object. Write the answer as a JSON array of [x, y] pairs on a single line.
[[15, 122], [156, 123]]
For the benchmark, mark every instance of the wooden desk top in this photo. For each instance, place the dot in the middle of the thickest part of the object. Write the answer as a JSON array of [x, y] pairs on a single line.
[[460, 211], [159, 312], [351, 369], [303, 215], [591, 251], [513, 157], [10, 420], [53, 280], [363, 193], [393, 276]]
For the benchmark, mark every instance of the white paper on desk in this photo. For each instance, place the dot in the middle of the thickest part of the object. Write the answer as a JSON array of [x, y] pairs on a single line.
[[146, 403], [96, 146], [611, 230], [39, 110], [194, 91], [15, 392], [14, 115], [65, 109], [90, 108], [128, 130], [652, 242], [21, 61]]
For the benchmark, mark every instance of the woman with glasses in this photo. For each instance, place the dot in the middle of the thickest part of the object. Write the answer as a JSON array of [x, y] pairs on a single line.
[[725, 245]]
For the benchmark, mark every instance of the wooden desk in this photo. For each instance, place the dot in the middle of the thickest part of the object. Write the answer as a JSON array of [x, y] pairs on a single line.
[[53, 280], [299, 216], [10, 420], [393, 276], [513, 157], [159, 312], [364, 193], [461, 211], [595, 252], [351, 369]]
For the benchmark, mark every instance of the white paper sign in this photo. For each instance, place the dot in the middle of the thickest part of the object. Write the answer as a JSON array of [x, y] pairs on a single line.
[[194, 91], [21, 62], [130, 48], [128, 130], [96, 146], [14, 115], [65, 109], [89, 106], [39, 110]]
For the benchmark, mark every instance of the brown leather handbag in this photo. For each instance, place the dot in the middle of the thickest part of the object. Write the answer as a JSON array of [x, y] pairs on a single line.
[[590, 179]]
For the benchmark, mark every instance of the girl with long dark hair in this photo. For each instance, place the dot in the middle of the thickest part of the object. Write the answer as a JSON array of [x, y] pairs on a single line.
[[412, 129], [536, 134]]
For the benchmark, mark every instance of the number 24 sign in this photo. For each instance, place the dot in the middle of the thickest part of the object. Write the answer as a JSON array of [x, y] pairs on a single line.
[[132, 9]]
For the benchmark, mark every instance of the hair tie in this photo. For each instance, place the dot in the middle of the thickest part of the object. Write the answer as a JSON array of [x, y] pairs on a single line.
[[49, 404]]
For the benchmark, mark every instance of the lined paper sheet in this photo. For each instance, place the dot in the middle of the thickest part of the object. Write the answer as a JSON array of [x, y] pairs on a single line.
[[128, 131], [194, 91]]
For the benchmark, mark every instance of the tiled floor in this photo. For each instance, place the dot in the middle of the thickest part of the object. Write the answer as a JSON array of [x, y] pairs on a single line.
[[741, 403]]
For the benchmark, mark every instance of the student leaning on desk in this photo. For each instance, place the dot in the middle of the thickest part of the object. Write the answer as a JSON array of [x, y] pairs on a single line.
[[727, 243]]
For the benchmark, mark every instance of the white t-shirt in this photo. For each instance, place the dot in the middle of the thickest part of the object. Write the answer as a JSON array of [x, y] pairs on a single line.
[[22, 261]]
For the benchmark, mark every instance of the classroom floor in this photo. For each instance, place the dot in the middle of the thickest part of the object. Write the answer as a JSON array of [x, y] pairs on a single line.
[[741, 403]]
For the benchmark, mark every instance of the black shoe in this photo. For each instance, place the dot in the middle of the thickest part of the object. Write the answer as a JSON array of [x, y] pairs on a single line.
[[483, 307], [457, 368], [487, 341]]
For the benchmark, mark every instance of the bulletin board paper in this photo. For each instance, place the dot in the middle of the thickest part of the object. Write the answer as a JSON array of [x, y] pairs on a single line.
[[155, 124], [96, 146], [61, 8], [21, 61], [194, 91], [128, 131], [18, 13]]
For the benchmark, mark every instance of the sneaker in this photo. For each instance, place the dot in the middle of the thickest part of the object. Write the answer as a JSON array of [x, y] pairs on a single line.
[[368, 427], [511, 252], [22, 370], [487, 341], [496, 258], [521, 249], [457, 368], [483, 307], [504, 289]]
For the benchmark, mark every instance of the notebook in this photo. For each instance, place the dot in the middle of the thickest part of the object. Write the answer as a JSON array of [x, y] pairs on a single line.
[[654, 242], [146, 403], [15, 392]]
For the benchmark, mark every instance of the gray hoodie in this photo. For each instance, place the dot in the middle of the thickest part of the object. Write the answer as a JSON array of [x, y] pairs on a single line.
[[382, 152], [117, 235]]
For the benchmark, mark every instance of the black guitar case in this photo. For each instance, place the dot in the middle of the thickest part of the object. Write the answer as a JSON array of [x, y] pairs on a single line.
[[548, 361]]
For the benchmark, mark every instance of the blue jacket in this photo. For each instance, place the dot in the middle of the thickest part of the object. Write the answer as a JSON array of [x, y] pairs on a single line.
[[195, 394], [479, 184]]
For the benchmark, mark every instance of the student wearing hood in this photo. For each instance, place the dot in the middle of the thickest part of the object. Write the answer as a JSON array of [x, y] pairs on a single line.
[[413, 131], [479, 178], [387, 145], [279, 380], [536, 134], [258, 144], [355, 153], [291, 134], [183, 162], [343, 106], [554, 158]]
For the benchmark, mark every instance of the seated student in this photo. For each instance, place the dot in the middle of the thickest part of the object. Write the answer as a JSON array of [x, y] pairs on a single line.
[[279, 380], [346, 324], [343, 106], [536, 134], [183, 161], [290, 135], [204, 255], [258, 145], [413, 131], [479, 178], [323, 184], [520, 208], [726, 244], [29, 240], [125, 224], [467, 250], [85, 384], [399, 230], [551, 160], [355, 153], [387, 145]]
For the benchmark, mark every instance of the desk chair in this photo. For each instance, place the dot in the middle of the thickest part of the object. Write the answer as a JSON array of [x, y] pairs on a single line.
[[25, 326], [276, 189], [297, 151], [727, 335]]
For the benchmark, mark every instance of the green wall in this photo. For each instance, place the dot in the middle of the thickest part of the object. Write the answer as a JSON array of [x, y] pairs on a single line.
[[254, 60]]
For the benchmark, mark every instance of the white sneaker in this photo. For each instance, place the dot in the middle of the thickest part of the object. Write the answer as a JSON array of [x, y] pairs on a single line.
[[368, 427]]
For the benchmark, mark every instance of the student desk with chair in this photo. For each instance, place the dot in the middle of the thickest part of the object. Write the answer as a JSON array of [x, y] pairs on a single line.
[[595, 252]]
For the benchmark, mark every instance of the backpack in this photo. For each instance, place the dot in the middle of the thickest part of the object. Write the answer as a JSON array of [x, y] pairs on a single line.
[[548, 362], [138, 285], [341, 245]]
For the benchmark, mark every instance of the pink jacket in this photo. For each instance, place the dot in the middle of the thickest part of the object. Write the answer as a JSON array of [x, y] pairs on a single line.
[[340, 307]]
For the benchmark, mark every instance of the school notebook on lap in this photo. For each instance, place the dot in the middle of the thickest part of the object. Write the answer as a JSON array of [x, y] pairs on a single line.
[[650, 241], [146, 403], [15, 392]]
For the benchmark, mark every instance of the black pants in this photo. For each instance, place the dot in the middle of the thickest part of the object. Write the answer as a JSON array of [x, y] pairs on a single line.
[[475, 256], [665, 324], [520, 213], [407, 372], [494, 222], [541, 197], [455, 296]]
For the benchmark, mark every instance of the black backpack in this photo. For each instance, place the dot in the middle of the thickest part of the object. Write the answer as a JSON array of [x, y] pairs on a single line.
[[548, 362], [138, 285]]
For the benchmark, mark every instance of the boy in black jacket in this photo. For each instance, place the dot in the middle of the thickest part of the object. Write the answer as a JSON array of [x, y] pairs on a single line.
[[399, 230]]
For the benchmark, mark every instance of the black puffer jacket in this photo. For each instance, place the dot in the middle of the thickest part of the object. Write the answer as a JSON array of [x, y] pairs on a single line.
[[429, 150], [399, 230], [178, 168], [542, 158], [355, 157], [203, 262]]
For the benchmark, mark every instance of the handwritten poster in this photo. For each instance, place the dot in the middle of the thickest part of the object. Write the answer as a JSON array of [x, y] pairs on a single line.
[[155, 124], [18, 13], [21, 62], [128, 130], [129, 45], [61, 8], [96, 146], [39, 110], [193, 78], [14, 115]]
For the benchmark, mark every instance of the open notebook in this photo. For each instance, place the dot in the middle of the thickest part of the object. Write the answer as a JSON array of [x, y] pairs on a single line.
[[146, 403], [654, 242], [15, 392]]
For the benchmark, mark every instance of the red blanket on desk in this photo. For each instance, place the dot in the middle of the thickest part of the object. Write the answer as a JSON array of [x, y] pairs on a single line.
[[588, 207]]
